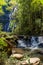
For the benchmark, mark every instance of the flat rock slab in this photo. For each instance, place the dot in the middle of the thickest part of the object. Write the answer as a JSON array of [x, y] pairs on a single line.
[[34, 60], [18, 56]]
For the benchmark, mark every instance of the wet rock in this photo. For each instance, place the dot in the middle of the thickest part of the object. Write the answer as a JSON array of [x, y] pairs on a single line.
[[40, 45], [37, 51], [17, 50], [20, 36], [26, 37], [34, 61], [18, 56]]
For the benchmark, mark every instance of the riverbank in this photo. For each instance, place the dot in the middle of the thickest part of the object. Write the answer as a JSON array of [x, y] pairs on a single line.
[[6, 51]]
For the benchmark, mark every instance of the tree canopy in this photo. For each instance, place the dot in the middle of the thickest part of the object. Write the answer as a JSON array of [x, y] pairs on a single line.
[[29, 16]]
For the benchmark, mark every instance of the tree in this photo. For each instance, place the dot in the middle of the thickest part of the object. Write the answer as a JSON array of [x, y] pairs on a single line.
[[24, 17], [29, 12]]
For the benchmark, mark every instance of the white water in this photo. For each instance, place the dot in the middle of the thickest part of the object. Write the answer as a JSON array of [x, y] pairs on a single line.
[[34, 43], [10, 18], [40, 39], [21, 43]]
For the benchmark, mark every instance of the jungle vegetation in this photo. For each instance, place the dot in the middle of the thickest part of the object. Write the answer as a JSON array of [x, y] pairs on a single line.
[[29, 16]]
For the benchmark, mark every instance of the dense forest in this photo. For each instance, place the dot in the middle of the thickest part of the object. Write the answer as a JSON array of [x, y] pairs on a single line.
[[22, 17]]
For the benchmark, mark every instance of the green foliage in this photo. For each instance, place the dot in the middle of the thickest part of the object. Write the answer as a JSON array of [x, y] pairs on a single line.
[[28, 15], [3, 57], [1, 27], [2, 42], [24, 17], [9, 3], [27, 11], [36, 6], [2, 3]]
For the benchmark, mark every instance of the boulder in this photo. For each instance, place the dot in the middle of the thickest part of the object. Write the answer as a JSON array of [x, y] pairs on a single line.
[[24, 63], [34, 61], [40, 45], [18, 56], [17, 50]]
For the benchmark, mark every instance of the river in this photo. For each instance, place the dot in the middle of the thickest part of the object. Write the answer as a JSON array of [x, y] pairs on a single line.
[[33, 42]]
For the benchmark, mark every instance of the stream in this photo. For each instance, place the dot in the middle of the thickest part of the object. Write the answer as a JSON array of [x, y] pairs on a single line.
[[32, 43]]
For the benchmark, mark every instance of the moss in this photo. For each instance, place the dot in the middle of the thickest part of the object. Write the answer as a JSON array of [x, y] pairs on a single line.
[[2, 42]]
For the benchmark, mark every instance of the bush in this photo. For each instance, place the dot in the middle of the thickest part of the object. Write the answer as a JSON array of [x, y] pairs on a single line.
[[3, 57]]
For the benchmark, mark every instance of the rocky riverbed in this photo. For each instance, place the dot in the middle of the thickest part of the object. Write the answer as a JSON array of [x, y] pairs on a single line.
[[19, 55], [26, 57]]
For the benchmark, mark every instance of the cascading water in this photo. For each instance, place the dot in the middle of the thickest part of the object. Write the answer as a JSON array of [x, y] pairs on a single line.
[[10, 18], [33, 44], [21, 43], [40, 39], [7, 18]]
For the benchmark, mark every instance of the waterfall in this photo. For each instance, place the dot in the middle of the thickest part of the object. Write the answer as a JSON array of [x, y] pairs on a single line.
[[33, 44], [11, 28], [40, 39], [21, 43]]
